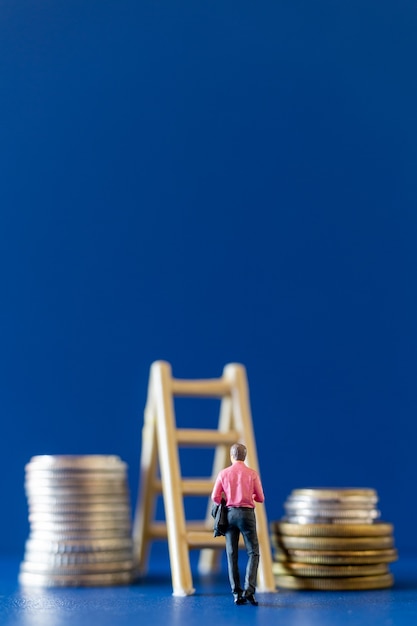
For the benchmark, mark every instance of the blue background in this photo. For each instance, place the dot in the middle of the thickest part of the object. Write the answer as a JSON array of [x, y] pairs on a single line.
[[208, 182]]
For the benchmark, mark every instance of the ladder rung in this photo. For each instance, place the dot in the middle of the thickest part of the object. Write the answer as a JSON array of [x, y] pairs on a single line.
[[215, 387], [205, 539], [205, 437], [197, 486], [191, 486], [158, 530]]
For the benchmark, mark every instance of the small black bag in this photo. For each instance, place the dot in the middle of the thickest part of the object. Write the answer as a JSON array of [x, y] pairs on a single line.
[[219, 512]]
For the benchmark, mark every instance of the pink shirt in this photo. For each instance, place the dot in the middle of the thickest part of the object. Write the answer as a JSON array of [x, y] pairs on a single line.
[[240, 485]]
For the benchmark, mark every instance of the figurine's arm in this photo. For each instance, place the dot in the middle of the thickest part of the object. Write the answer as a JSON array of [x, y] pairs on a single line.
[[216, 494], [258, 492]]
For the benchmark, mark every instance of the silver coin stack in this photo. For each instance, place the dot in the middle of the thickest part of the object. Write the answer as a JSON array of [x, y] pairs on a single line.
[[80, 522], [315, 506]]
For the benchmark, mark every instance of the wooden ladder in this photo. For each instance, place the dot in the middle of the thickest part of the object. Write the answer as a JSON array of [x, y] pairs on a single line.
[[161, 440]]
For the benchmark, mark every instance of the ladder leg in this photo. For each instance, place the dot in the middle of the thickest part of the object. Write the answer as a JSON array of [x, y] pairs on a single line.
[[171, 478], [145, 505], [236, 373], [209, 560]]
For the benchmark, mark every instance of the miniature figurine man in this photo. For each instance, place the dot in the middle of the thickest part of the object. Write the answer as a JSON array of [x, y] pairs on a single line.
[[241, 487]]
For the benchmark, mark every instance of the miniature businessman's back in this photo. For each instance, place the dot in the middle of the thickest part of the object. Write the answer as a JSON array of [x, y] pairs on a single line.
[[240, 484]]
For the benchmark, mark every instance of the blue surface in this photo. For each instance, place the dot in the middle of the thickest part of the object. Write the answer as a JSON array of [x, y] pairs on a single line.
[[207, 182], [151, 602]]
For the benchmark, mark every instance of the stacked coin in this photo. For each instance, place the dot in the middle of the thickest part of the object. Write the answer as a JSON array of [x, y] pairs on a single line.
[[330, 539], [80, 522]]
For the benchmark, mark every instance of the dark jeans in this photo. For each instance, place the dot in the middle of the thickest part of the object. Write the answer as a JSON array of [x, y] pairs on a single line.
[[242, 520]]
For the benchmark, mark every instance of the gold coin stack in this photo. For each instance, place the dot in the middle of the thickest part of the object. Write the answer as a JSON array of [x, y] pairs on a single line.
[[330, 539]]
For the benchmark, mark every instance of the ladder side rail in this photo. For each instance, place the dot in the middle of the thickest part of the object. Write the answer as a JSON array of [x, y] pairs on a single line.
[[236, 373], [146, 500], [171, 480], [209, 559]]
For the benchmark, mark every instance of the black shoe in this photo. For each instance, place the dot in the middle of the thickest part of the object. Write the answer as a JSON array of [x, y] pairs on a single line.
[[250, 598], [238, 598]]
